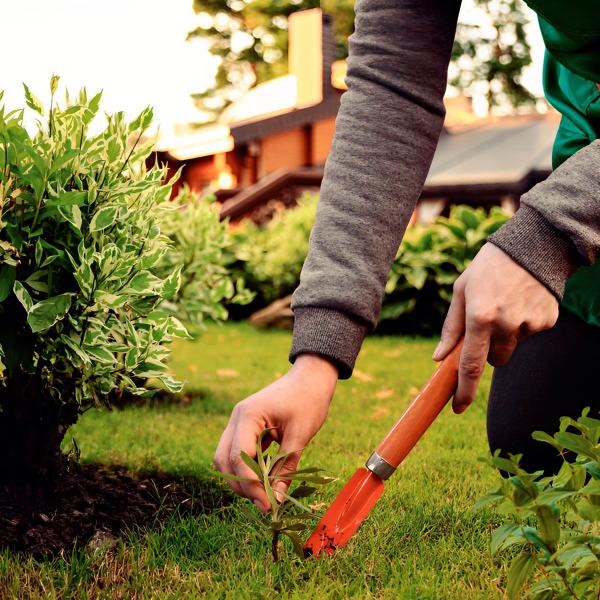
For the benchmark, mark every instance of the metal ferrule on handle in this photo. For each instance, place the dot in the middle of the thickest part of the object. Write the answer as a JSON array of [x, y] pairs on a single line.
[[417, 418], [379, 466]]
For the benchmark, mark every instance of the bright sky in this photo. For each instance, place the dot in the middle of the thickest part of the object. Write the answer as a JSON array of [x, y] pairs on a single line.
[[532, 75], [133, 49]]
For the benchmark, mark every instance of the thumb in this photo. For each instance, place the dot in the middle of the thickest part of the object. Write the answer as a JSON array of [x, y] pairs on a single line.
[[454, 326], [293, 447]]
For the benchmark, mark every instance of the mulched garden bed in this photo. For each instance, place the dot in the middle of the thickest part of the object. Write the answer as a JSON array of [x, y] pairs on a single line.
[[90, 505]]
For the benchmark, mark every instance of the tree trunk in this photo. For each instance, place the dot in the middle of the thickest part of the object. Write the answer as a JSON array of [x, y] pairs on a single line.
[[32, 427]]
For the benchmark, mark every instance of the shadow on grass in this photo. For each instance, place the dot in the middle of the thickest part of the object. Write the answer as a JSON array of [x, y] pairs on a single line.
[[160, 398], [164, 399], [92, 505]]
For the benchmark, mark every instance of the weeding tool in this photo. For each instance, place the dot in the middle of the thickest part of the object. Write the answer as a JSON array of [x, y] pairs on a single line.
[[364, 488]]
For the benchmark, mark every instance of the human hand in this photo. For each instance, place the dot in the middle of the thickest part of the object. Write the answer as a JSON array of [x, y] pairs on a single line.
[[295, 406], [496, 304]]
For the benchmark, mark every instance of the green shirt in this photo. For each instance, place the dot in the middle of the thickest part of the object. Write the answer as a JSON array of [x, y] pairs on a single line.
[[571, 76]]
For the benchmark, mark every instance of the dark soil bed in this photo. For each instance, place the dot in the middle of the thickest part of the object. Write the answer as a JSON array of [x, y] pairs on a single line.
[[90, 505]]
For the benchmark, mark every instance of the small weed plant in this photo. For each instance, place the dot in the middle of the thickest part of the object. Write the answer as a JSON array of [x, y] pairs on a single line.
[[552, 522], [291, 516]]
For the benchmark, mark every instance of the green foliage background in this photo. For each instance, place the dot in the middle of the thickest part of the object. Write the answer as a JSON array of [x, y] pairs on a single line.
[[419, 288], [428, 262], [199, 249], [270, 257]]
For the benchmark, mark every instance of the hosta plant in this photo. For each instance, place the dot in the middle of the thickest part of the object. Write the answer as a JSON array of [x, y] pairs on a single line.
[[199, 252], [80, 296], [271, 256], [552, 524], [291, 516], [419, 287], [428, 262]]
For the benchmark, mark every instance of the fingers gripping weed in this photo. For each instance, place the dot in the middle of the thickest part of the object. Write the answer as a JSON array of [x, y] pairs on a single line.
[[290, 516]]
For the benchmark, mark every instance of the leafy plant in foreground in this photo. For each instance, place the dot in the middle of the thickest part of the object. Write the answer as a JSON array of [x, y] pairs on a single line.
[[553, 522], [80, 301], [290, 517]]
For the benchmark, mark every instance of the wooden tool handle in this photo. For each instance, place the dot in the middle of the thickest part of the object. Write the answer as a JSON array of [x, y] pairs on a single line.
[[423, 410]]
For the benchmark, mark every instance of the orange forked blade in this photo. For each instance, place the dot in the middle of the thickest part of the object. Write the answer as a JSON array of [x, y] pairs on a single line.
[[345, 515]]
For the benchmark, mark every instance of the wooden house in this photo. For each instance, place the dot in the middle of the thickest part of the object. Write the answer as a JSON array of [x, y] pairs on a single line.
[[283, 124], [272, 144]]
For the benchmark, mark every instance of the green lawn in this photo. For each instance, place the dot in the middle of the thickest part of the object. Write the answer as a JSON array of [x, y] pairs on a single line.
[[419, 542]]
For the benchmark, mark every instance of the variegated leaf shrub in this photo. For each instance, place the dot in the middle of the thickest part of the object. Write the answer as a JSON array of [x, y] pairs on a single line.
[[80, 288], [200, 250]]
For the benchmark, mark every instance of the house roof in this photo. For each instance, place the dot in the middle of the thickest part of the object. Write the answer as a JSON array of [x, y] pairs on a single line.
[[503, 156], [247, 122], [272, 97], [263, 102], [500, 155], [204, 141], [247, 132], [303, 96]]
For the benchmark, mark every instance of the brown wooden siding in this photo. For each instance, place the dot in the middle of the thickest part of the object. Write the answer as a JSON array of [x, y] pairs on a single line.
[[321, 138], [284, 150]]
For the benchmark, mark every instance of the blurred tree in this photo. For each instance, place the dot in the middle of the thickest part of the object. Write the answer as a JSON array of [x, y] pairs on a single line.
[[250, 38], [489, 57]]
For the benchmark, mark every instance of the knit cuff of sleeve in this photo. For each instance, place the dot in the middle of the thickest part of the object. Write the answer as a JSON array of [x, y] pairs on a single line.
[[539, 248], [329, 333]]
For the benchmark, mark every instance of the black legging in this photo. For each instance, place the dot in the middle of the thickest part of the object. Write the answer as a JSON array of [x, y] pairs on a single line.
[[551, 374]]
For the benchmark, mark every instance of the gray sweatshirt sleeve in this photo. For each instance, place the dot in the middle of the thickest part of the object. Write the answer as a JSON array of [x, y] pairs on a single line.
[[557, 228], [386, 133]]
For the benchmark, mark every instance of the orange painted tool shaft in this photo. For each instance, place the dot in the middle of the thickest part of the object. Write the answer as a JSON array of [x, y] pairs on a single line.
[[417, 418]]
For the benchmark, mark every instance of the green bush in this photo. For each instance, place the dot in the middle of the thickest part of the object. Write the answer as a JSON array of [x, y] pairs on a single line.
[[198, 252], [270, 256], [80, 293], [419, 287], [553, 523], [428, 262]]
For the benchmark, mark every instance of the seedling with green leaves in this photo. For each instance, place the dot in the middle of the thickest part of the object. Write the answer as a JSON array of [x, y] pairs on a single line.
[[553, 521], [291, 516]]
